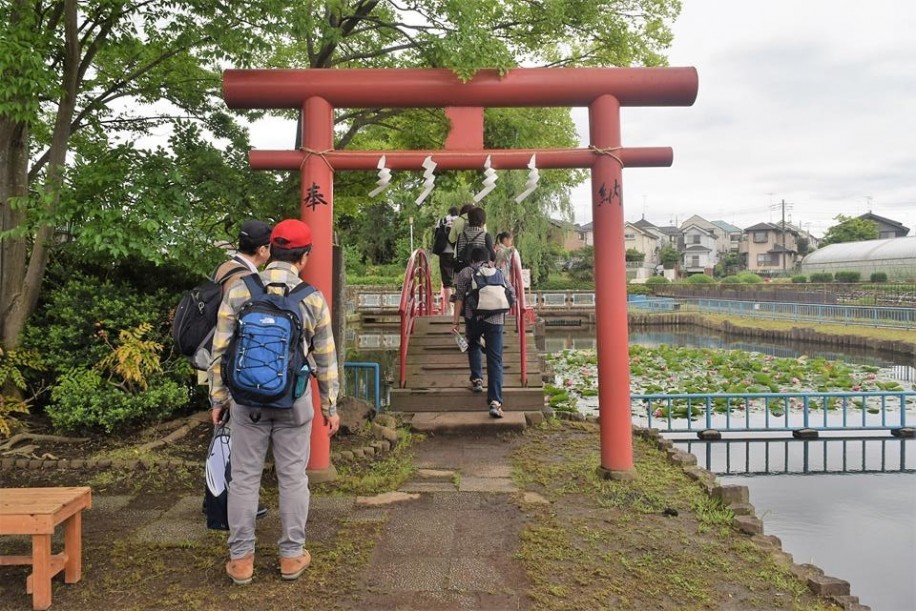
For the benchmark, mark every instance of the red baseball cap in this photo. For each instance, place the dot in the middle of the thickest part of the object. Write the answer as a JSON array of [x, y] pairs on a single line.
[[291, 233]]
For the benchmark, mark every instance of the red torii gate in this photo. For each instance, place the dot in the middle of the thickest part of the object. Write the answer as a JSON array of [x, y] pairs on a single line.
[[317, 92]]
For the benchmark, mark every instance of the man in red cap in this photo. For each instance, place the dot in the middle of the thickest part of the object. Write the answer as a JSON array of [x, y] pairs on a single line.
[[287, 431]]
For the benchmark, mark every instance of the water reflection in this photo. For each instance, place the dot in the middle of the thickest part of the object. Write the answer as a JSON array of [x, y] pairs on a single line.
[[803, 456], [858, 527]]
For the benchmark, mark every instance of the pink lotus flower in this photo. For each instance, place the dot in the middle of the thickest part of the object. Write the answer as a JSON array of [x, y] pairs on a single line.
[[658, 413], [796, 381], [857, 387]]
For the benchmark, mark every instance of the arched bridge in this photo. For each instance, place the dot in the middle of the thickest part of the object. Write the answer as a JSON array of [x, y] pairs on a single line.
[[434, 374]]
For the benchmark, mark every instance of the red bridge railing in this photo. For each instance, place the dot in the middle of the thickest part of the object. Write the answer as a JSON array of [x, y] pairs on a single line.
[[524, 315], [416, 300]]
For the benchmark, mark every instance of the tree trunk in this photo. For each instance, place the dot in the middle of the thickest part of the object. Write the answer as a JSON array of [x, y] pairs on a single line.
[[22, 286], [13, 184]]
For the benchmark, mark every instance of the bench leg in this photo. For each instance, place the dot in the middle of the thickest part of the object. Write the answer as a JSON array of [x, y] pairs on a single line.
[[41, 571], [73, 548]]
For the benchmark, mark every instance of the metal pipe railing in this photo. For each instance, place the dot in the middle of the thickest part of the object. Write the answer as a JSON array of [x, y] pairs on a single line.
[[359, 382], [784, 411]]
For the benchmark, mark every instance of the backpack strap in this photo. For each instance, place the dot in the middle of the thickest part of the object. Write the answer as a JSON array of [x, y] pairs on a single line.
[[232, 272], [302, 290], [255, 284]]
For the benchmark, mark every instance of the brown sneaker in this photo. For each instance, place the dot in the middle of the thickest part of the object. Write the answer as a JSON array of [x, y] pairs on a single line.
[[292, 568], [241, 569]]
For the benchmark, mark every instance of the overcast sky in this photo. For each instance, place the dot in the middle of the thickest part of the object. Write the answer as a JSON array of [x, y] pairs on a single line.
[[812, 101], [808, 101]]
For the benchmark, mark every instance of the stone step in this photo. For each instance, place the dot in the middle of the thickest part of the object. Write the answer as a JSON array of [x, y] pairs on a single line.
[[463, 400], [480, 422]]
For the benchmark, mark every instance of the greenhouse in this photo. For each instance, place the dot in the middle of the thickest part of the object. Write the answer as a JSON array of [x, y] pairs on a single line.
[[895, 257]]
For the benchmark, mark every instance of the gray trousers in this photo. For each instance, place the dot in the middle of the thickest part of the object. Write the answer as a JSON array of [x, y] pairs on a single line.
[[288, 432]]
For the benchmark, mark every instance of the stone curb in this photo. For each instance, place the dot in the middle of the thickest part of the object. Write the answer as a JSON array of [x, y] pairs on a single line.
[[746, 522], [101, 463], [386, 439]]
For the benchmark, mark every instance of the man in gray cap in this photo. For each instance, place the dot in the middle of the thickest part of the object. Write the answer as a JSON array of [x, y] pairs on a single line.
[[253, 252]]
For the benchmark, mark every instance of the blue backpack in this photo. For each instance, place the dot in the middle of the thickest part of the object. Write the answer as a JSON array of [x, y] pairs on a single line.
[[265, 364]]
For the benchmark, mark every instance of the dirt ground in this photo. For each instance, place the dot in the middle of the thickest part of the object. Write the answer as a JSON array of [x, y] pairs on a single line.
[[657, 542]]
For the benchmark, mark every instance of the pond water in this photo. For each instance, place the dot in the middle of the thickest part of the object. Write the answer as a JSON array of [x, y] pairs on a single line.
[[845, 506]]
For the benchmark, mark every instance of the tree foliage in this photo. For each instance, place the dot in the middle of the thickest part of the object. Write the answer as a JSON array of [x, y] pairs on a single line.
[[850, 229], [115, 143]]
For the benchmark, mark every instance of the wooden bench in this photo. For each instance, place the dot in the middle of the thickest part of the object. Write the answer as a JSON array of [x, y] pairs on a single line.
[[37, 512]]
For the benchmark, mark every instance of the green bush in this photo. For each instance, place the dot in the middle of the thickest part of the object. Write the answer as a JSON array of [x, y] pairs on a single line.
[[749, 278], [657, 280], [699, 279], [638, 289], [69, 330], [848, 276], [879, 277], [81, 332], [822, 277], [562, 281], [799, 279], [83, 399]]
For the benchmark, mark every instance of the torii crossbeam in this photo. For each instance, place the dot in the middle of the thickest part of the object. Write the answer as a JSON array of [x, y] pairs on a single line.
[[603, 91]]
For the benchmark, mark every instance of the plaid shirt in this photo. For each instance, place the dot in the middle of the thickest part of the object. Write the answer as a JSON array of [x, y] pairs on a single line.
[[463, 287], [316, 330]]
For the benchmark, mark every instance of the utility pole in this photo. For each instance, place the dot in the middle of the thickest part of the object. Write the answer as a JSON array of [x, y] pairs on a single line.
[[783, 205]]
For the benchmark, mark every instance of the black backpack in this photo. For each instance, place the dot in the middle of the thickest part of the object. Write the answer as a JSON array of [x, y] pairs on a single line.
[[440, 237], [195, 319]]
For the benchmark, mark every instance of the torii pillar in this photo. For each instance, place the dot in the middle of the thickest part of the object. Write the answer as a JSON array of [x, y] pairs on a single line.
[[603, 91]]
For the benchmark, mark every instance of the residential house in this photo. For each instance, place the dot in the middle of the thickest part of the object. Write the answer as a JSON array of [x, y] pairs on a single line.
[[671, 233], [770, 248], [729, 237], [807, 242], [887, 228], [586, 234], [565, 234], [698, 249], [645, 241]]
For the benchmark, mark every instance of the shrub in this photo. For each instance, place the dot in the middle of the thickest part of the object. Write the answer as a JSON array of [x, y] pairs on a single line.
[[70, 329], [799, 279], [749, 278], [657, 280], [879, 277], [731, 280], [84, 399], [12, 380], [822, 277], [106, 347], [565, 282], [125, 387], [638, 289], [848, 276], [699, 279]]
